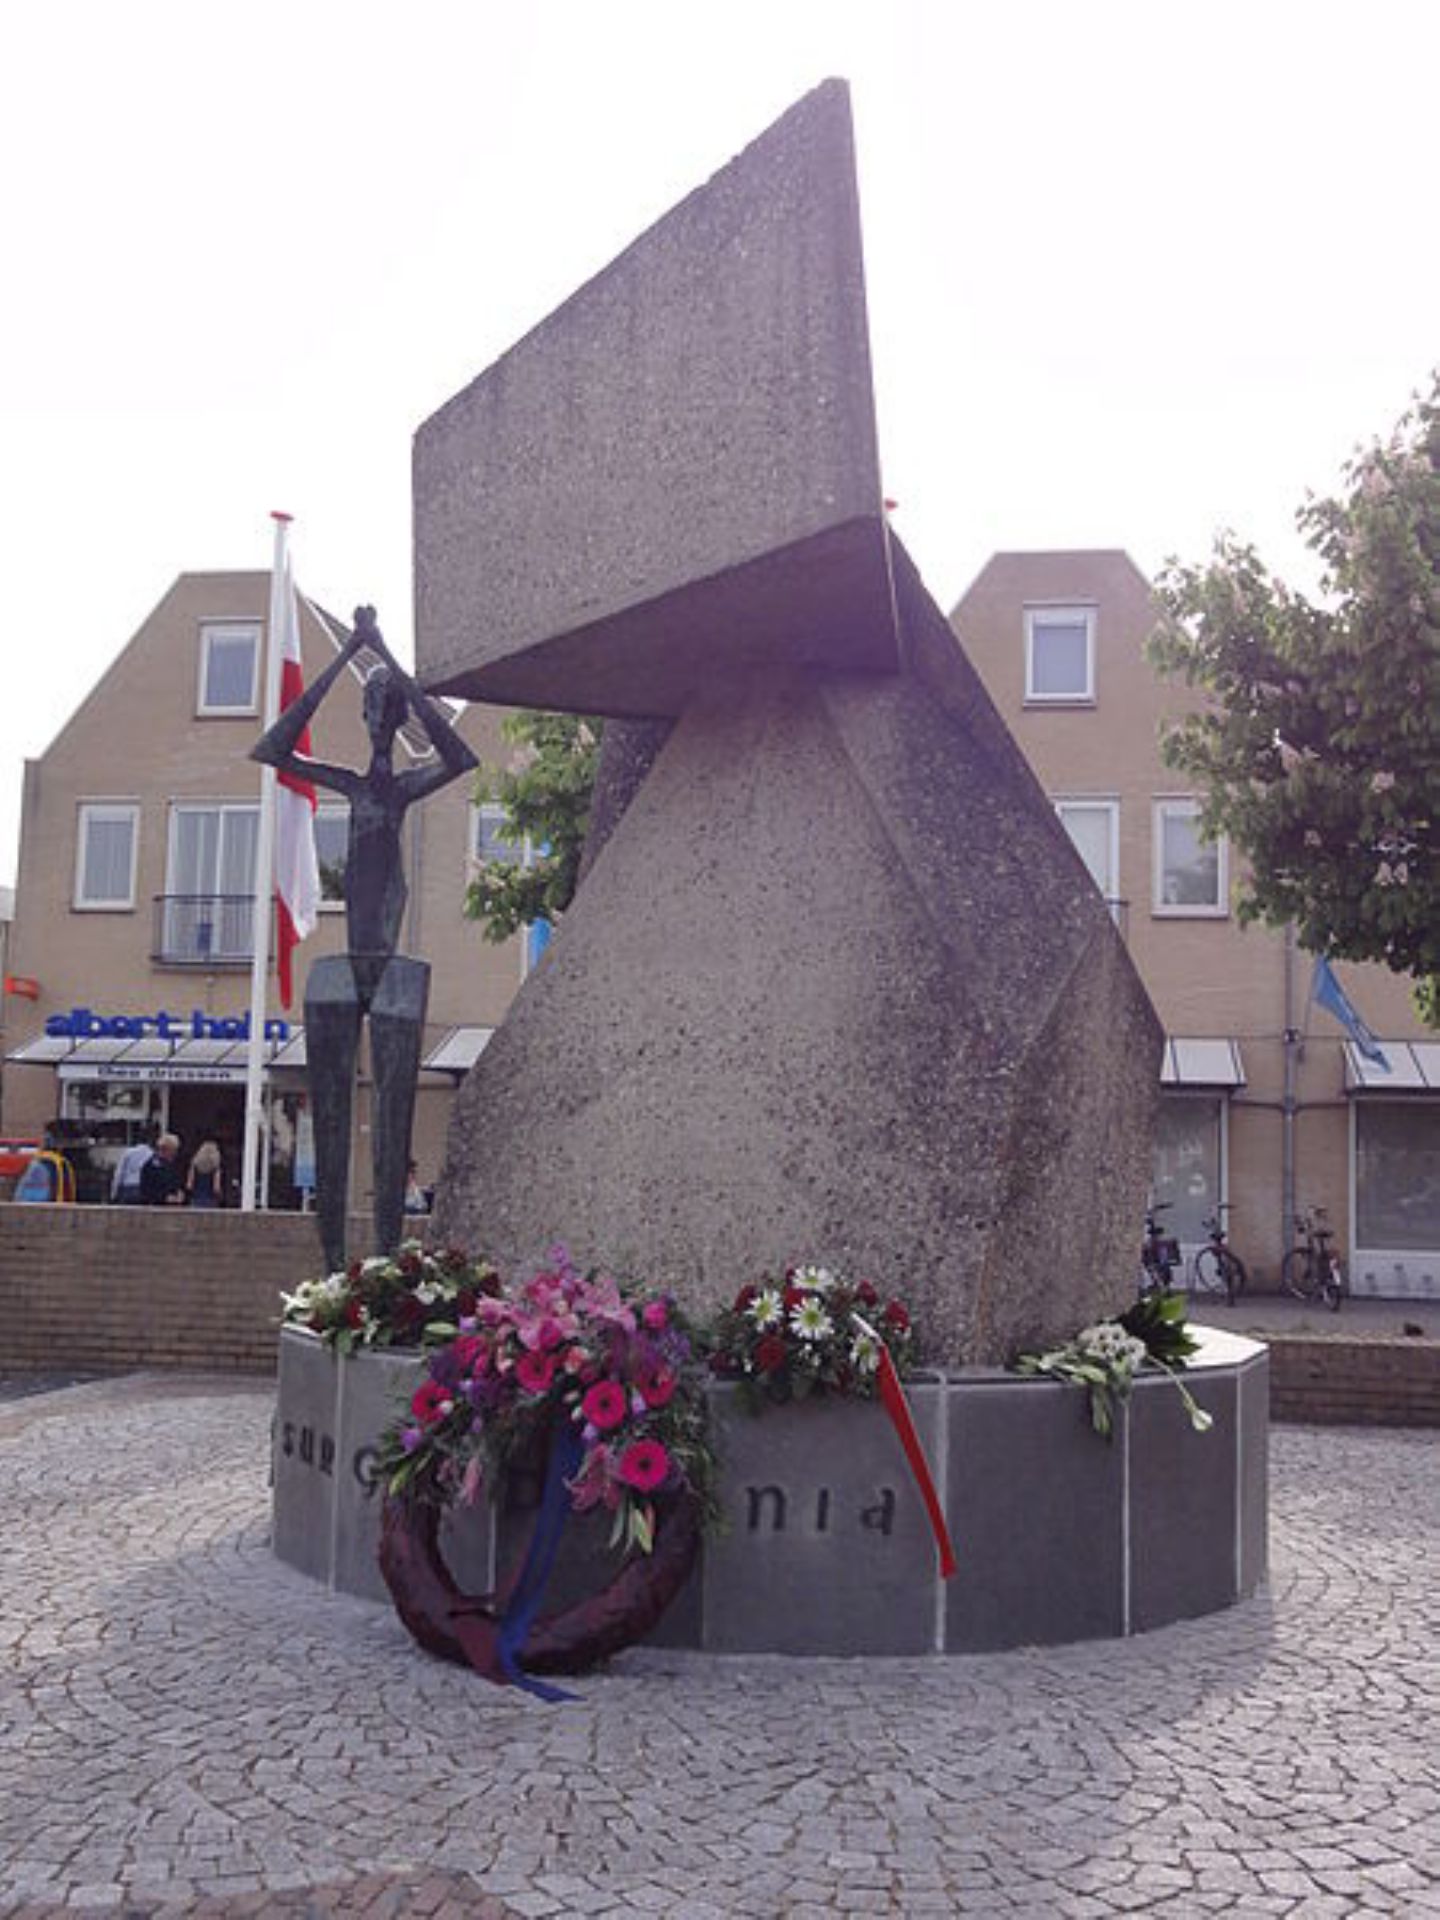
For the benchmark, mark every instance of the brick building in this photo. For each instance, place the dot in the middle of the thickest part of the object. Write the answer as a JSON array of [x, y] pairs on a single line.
[[135, 900], [1248, 1114]]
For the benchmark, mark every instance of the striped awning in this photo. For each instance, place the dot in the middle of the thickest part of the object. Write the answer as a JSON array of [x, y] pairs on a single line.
[[1202, 1063]]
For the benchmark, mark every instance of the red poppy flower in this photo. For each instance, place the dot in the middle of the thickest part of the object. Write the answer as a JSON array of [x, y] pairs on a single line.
[[354, 1313], [605, 1405], [793, 1297], [535, 1371], [431, 1403], [897, 1317], [744, 1299], [644, 1465], [658, 1389], [770, 1354], [867, 1296]]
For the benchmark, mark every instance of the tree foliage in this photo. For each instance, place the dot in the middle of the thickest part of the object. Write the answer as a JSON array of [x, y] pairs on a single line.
[[545, 793], [1318, 745]]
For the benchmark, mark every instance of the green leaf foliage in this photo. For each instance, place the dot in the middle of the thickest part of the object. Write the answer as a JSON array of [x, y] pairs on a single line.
[[1317, 743], [546, 797]]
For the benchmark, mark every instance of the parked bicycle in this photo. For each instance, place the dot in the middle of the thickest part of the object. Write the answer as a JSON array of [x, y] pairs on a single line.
[[1216, 1268], [1159, 1254], [1311, 1270]]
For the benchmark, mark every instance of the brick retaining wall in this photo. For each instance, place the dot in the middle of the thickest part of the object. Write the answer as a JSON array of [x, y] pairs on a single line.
[[1361, 1380], [111, 1289]]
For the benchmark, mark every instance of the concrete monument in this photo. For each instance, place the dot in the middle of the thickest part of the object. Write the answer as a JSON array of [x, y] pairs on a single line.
[[837, 984]]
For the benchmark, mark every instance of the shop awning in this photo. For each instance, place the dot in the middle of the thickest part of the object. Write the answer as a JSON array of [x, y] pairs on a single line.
[[458, 1051], [1414, 1068], [1202, 1063], [154, 1059]]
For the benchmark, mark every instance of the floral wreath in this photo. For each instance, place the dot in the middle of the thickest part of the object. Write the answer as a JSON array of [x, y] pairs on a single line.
[[604, 1380]]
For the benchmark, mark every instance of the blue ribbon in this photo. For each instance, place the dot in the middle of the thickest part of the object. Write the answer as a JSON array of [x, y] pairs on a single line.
[[566, 1452]]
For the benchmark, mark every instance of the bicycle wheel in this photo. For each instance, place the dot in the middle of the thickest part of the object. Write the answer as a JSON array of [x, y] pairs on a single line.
[[1235, 1274], [1297, 1273], [1207, 1271]]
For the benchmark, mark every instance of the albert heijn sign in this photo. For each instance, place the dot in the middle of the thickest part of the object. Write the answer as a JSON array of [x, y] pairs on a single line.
[[187, 1036]]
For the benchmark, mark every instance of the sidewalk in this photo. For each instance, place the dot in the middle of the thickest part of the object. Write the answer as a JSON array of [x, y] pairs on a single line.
[[188, 1728], [1263, 1314]]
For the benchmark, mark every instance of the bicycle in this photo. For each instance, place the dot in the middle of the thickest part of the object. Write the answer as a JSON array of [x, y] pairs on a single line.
[[1159, 1254], [1311, 1270], [1216, 1268]]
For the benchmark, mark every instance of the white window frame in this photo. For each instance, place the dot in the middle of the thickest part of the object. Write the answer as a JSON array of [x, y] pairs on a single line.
[[1109, 804], [1071, 613], [519, 853], [210, 631], [1184, 806], [331, 810], [128, 810]]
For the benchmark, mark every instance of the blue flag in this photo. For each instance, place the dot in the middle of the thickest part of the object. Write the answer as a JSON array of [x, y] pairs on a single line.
[[1326, 991]]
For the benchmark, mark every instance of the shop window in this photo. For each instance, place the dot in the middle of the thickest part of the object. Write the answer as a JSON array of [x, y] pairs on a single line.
[[1397, 1176], [1060, 654], [105, 857], [332, 847], [1094, 830], [1188, 1134], [229, 667], [1190, 871]]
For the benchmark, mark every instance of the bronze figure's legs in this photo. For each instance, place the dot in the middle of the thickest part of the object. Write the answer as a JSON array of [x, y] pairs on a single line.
[[333, 1013], [397, 1022]]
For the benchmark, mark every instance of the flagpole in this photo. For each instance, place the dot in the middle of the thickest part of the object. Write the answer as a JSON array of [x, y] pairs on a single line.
[[264, 880]]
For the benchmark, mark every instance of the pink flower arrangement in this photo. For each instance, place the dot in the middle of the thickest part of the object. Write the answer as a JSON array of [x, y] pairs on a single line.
[[562, 1346]]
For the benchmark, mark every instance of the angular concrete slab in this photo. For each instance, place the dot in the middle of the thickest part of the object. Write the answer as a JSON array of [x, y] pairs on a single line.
[[676, 473], [838, 986], [825, 1546], [1037, 1510], [304, 1455], [1185, 1511]]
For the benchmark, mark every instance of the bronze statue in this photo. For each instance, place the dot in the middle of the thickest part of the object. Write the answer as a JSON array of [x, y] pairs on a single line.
[[371, 978]]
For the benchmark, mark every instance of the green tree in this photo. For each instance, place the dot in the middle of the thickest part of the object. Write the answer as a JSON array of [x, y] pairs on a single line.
[[546, 798], [1317, 746]]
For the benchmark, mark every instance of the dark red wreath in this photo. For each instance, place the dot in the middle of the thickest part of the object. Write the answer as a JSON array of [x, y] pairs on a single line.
[[466, 1628]]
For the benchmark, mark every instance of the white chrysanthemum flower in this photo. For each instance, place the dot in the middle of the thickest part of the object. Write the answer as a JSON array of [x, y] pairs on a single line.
[[427, 1293], [813, 1279], [810, 1320], [864, 1353], [767, 1309], [377, 1263], [335, 1288]]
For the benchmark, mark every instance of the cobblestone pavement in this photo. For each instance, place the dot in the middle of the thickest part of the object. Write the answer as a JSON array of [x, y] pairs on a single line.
[[186, 1727]]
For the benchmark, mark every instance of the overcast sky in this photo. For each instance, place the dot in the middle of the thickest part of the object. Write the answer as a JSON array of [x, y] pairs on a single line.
[[1136, 272]]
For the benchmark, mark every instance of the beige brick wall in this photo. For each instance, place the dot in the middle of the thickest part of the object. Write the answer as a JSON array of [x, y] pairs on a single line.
[[137, 737], [1207, 978]]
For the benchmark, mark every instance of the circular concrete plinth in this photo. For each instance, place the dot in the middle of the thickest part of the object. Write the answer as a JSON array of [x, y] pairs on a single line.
[[1060, 1535]]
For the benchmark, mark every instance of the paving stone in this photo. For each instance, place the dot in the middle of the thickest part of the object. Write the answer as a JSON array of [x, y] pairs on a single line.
[[189, 1728]]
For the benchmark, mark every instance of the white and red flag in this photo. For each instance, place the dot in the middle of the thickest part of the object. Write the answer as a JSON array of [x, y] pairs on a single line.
[[297, 870]]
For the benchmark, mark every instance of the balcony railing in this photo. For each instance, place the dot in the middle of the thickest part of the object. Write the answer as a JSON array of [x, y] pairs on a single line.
[[203, 929]]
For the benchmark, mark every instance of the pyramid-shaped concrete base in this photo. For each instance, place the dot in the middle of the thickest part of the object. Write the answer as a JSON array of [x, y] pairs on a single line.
[[838, 987]]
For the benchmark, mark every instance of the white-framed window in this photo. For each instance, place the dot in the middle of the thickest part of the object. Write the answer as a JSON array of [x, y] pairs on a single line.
[[1191, 873], [210, 883], [332, 848], [1060, 655], [229, 667], [486, 847], [1094, 829], [107, 837]]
